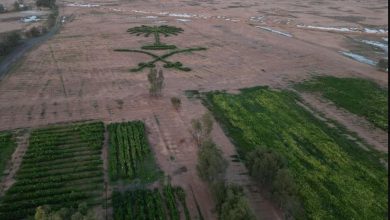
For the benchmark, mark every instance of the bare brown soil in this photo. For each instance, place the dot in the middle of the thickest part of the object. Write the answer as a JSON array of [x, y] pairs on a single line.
[[77, 76]]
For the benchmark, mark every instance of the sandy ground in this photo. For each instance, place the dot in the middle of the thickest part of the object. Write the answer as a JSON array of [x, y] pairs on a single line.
[[77, 76]]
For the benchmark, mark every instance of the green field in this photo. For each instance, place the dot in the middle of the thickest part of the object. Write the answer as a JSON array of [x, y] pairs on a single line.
[[7, 147], [359, 96], [336, 179], [151, 204], [130, 156], [61, 168]]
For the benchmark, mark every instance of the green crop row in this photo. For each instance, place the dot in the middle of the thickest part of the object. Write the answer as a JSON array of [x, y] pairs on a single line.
[[130, 156], [7, 147], [149, 204], [335, 178], [60, 168], [358, 96]]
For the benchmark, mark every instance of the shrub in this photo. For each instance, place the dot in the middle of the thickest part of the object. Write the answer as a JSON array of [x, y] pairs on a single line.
[[2, 9], [211, 164], [8, 42], [383, 64], [33, 32], [232, 204], [46, 3], [156, 82], [263, 165], [201, 128], [176, 102]]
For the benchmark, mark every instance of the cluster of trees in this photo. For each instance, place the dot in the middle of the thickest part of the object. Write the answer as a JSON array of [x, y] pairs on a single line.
[[8, 42], [81, 213], [156, 82], [269, 169], [230, 198]]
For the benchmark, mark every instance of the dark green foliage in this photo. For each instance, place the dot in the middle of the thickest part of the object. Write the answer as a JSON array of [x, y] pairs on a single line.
[[269, 168], [9, 42], [211, 165], [46, 3], [150, 204], [156, 31], [162, 58], [231, 202], [157, 45], [358, 96], [7, 147], [263, 164], [33, 32], [130, 156], [334, 177], [61, 168]]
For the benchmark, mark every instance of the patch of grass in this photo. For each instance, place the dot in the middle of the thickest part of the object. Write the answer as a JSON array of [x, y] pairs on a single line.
[[358, 96], [7, 147], [335, 178]]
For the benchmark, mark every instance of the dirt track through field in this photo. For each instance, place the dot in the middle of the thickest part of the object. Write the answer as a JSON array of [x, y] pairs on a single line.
[[77, 75]]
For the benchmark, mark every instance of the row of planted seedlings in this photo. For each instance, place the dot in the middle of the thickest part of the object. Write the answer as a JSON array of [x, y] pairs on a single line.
[[130, 159], [128, 149], [61, 168], [151, 204]]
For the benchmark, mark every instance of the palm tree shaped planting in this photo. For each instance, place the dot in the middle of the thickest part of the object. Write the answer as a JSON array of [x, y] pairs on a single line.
[[156, 31]]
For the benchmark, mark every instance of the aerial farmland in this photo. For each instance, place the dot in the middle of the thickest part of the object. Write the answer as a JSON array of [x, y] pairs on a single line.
[[202, 110]]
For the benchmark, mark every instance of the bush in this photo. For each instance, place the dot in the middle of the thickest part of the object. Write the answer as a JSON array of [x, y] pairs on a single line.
[[8, 42], [201, 128], [270, 169], [211, 165], [2, 9], [176, 102], [46, 3], [263, 165], [33, 32], [231, 203], [383, 64]]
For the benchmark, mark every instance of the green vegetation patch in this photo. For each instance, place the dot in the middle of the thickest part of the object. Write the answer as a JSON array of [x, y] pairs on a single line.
[[130, 156], [156, 31], [61, 168], [7, 147], [358, 96], [167, 203], [335, 178]]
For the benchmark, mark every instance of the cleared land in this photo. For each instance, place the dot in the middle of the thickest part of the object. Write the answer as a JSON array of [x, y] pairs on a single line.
[[336, 179], [61, 168]]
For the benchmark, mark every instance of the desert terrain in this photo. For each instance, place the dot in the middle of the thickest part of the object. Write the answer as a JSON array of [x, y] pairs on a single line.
[[77, 76]]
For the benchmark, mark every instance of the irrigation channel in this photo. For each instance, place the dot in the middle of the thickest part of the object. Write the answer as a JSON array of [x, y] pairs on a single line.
[[12, 58]]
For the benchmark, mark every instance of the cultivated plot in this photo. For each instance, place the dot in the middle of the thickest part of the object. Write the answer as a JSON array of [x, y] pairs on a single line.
[[334, 177], [62, 168]]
